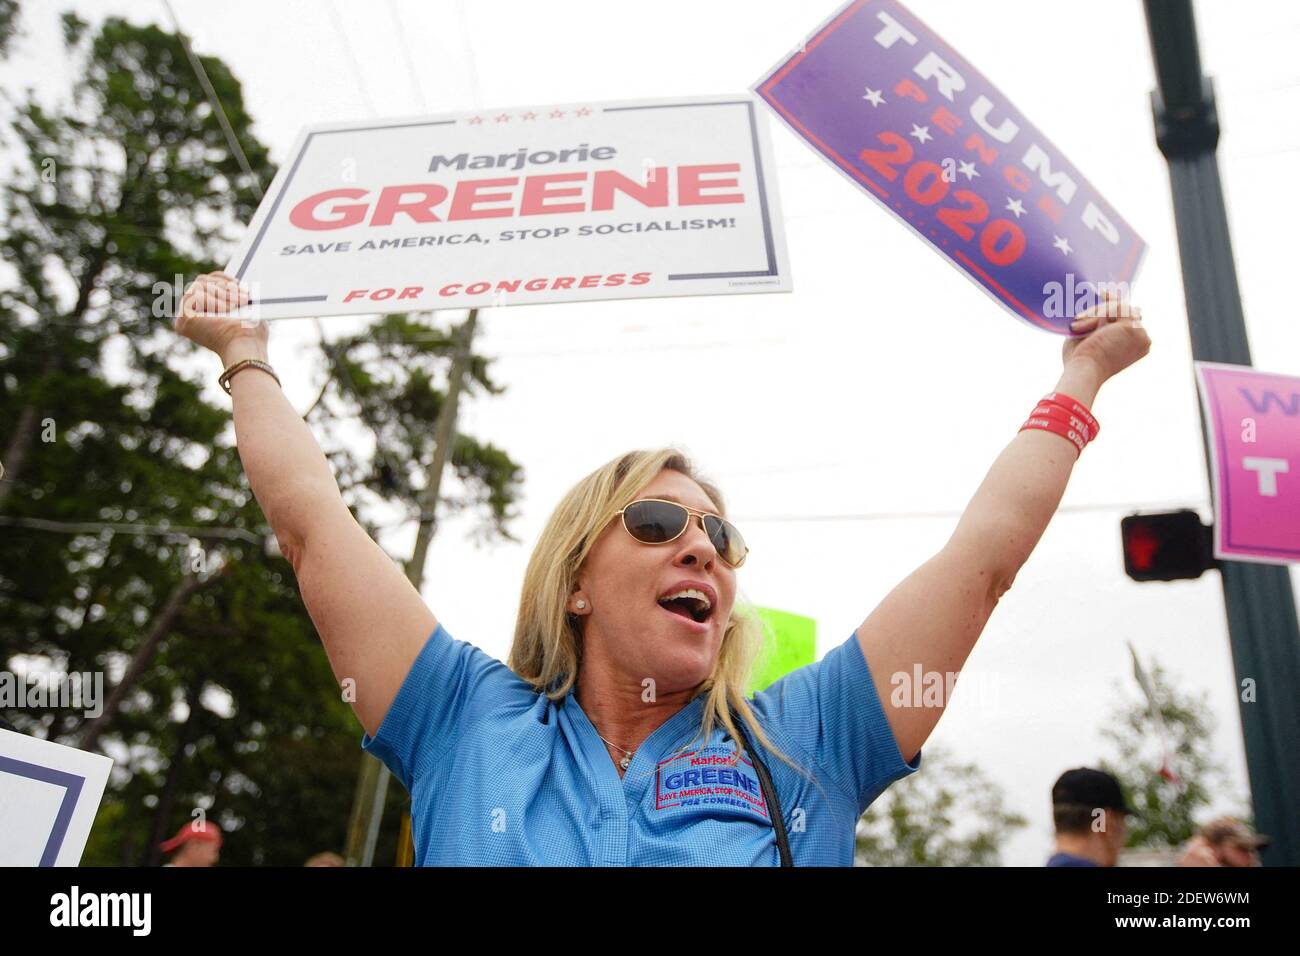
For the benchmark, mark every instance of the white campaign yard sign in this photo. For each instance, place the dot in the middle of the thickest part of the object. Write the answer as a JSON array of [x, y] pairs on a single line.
[[49, 795], [519, 206]]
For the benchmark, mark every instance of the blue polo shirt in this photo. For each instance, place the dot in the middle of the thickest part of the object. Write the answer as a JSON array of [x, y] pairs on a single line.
[[501, 775]]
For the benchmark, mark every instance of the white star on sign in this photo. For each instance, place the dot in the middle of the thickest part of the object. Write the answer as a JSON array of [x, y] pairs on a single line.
[[1061, 243], [968, 170], [922, 133], [1014, 206], [874, 97]]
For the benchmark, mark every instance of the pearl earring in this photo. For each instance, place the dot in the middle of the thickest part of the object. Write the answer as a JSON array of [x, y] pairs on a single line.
[[581, 604]]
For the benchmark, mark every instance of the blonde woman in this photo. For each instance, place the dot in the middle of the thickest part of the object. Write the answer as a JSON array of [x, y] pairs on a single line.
[[619, 734]]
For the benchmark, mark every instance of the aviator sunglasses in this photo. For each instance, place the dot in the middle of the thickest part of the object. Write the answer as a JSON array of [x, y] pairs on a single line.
[[655, 521]]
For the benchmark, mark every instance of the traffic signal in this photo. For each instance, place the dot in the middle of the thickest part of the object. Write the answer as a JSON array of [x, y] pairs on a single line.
[[1169, 546]]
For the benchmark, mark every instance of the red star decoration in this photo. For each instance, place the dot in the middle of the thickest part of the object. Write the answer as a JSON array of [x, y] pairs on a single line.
[[530, 115], [583, 112], [474, 120], [503, 118], [556, 114]]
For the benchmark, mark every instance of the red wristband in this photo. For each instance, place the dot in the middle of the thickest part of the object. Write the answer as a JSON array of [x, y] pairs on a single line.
[[1058, 428], [1075, 406], [1048, 410]]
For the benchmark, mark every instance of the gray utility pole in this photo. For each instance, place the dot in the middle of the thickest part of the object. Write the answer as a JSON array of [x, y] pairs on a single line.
[[1258, 597], [372, 780]]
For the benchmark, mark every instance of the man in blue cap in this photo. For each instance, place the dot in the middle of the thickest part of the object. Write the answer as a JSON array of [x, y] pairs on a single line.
[[1089, 810]]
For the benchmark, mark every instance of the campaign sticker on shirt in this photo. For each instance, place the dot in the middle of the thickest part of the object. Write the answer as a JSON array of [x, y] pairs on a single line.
[[708, 779]]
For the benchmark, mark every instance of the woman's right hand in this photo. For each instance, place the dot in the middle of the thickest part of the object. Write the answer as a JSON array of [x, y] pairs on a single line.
[[203, 318], [371, 619]]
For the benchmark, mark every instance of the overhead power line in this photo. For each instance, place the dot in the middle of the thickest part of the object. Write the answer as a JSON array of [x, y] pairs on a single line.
[[215, 101], [917, 515], [152, 530], [406, 55], [352, 56], [335, 362], [217, 531]]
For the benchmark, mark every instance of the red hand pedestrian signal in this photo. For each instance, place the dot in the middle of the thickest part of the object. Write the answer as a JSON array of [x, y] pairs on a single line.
[[1141, 545], [1169, 546]]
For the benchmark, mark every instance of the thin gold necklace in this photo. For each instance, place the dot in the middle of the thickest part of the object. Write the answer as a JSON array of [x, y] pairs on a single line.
[[627, 754]]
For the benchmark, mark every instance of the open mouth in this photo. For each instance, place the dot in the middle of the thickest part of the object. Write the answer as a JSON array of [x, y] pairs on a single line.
[[693, 606]]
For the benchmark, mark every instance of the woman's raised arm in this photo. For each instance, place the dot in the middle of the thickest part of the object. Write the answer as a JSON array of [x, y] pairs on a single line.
[[932, 619], [371, 619]]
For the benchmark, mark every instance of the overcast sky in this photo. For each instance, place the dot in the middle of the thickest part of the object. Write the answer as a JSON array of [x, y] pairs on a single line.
[[823, 402]]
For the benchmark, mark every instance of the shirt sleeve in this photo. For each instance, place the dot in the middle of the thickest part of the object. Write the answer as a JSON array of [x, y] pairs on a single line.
[[830, 710], [448, 686]]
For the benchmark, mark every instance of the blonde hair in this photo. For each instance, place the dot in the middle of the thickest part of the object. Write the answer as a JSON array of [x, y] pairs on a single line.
[[547, 649]]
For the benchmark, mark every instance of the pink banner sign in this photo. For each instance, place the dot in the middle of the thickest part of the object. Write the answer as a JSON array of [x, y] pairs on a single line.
[[1254, 421]]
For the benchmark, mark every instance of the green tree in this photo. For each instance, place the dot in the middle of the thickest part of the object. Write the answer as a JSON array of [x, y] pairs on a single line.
[[949, 815], [8, 25], [226, 702], [97, 206], [388, 378], [1178, 741]]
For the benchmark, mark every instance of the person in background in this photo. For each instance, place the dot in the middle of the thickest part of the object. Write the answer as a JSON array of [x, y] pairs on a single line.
[[1089, 811], [1224, 841], [325, 858], [195, 844]]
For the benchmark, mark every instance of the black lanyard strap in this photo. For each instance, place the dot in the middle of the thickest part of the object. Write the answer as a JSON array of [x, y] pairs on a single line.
[[769, 793]]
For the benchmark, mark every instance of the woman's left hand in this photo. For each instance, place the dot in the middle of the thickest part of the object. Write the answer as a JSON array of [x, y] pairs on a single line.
[[1112, 338]]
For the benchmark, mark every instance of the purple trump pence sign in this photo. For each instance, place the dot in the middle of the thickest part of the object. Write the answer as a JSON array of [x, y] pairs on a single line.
[[909, 121]]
